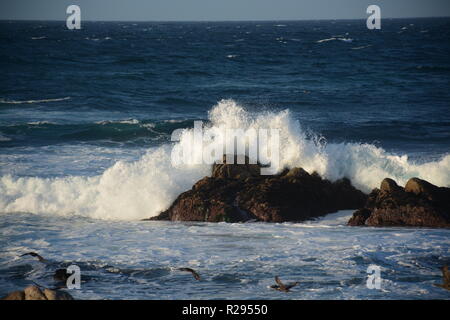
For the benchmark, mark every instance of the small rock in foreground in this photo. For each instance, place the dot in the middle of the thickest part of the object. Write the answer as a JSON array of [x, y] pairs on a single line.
[[35, 293]]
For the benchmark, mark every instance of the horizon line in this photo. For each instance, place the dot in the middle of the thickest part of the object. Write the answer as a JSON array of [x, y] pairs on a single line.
[[237, 20]]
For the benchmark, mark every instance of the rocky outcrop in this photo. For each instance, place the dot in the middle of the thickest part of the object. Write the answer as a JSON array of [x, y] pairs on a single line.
[[34, 293], [238, 193], [15, 295], [236, 170], [418, 204], [297, 196]]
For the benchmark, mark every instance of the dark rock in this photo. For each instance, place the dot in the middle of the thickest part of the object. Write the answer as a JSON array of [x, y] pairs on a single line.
[[389, 185], [359, 217], [419, 186], [210, 200], [419, 204], [240, 169], [297, 197], [296, 173], [424, 189], [237, 193]]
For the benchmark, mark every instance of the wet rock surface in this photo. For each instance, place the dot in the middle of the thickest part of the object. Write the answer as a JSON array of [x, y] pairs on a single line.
[[418, 204], [238, 193]]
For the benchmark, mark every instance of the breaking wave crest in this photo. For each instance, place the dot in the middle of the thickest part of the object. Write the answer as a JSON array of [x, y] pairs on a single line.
[[141, 189]]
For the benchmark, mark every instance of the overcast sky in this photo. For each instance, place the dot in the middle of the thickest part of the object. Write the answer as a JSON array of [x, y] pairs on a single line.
[[194, 10]]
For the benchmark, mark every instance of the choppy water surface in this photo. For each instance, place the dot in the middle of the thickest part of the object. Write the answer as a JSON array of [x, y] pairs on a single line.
[[137, 260]]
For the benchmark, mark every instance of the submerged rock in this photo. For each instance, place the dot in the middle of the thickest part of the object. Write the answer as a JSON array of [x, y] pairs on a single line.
[[419, 204], [238, 193]]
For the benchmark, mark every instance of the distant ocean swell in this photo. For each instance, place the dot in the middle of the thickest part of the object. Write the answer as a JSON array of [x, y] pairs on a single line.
[[140, 189], [121, 130]]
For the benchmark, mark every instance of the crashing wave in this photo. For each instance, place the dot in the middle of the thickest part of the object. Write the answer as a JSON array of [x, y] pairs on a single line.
[[140, 189]]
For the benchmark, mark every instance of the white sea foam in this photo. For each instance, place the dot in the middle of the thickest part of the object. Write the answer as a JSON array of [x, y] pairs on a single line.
[[141, 189], [236, 258], [125, 191], [4, 138], [326, 40], [126, 121], [174, 121], [33, 101], [336, 38], [39, 123]]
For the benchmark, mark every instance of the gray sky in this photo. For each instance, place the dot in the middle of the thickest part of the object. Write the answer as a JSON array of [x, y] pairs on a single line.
[[169, 10]]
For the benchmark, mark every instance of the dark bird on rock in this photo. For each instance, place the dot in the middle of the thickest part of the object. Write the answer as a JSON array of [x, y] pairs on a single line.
[[194, 273], [34, 254], [280, 286], [446, 278]]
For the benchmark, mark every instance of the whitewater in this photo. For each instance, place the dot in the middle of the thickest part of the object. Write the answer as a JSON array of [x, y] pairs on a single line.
[[139, 260], [134, 190]]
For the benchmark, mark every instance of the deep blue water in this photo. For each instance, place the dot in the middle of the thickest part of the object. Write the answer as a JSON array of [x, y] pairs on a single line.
[[389, 87]]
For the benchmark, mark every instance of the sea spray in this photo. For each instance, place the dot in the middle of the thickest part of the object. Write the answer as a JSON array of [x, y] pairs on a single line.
[[143, 188], [125, 191]]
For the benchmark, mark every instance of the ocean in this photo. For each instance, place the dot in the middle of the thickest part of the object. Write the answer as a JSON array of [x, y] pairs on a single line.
[[86, 118]]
